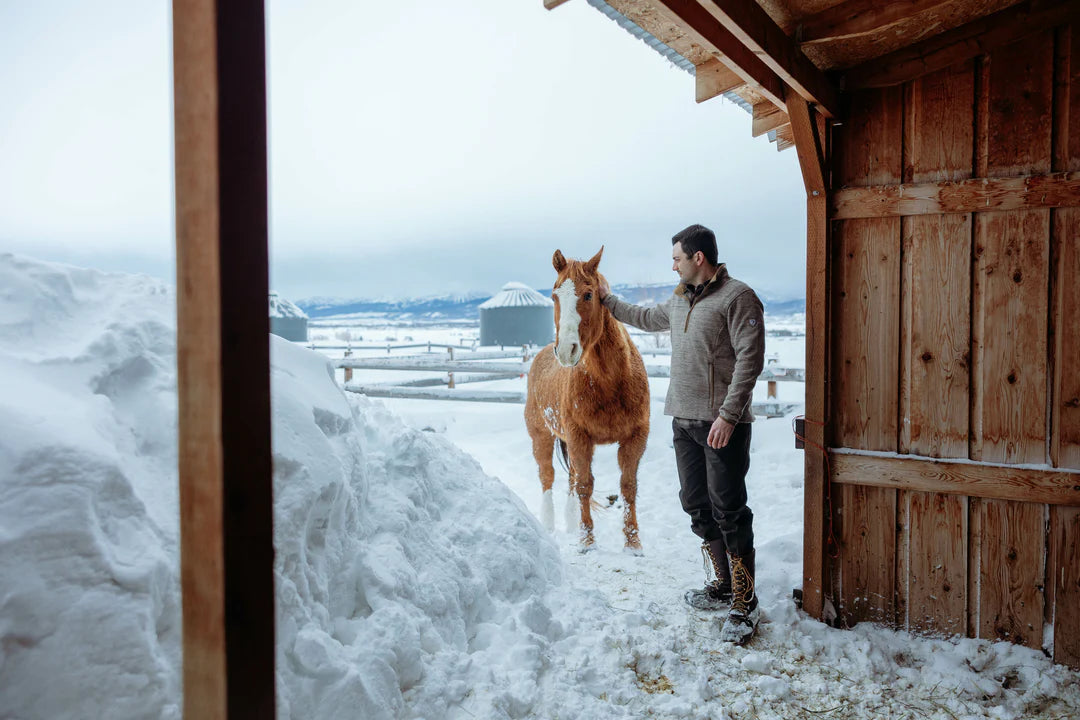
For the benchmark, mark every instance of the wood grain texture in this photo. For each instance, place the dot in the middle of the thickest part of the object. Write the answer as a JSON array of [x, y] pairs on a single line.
[[223, 359], [868, 559], [766, 117], [714, 78], [852, 18], [760, 34], [1020, 95], [1011, 572], [708, 32], [815, 478], [1065, 435], [198, 359], [994, 481], [934, 384], [967, 196], [866, 327], [1010, 336], [1064, 581], [985, 35], [1065, 288], [937, 581], [868, 146]]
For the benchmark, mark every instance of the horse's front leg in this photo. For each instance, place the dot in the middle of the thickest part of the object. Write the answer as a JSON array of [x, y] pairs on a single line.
[[581, 454], [630, 452]]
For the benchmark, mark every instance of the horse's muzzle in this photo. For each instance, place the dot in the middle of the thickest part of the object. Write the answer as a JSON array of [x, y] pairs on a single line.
[[568, 359]]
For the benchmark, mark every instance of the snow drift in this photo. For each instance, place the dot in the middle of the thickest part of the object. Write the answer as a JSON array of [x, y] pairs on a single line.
[[404, 574]]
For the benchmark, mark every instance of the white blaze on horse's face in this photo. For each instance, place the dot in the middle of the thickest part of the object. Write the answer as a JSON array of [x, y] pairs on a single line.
[[568, 349]]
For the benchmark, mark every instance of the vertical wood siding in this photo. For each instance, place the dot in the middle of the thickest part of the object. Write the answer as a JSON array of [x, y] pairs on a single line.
[[955, 336]]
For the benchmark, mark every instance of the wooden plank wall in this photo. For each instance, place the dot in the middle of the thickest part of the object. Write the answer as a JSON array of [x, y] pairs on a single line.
[[954, 336]]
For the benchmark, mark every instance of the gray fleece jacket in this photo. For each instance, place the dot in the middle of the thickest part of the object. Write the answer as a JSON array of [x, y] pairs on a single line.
[[717, 347]]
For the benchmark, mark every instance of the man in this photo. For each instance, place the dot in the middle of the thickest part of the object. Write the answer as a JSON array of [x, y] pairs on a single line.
[[717, 352]]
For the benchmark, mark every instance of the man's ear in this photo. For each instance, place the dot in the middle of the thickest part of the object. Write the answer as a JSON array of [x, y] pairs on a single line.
[[699, 258], [558, 261]]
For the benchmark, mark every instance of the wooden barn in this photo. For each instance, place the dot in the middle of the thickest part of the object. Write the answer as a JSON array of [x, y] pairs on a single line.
[[939, 143]]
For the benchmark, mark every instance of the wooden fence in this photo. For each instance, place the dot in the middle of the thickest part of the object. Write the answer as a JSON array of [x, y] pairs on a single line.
[[472, 366]]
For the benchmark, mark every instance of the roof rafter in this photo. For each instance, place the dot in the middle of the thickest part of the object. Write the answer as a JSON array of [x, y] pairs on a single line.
[[714, 78], [960, 44], [711, 34], [755, 30]]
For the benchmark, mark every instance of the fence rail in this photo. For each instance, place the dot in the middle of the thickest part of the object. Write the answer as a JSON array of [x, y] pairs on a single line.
[[478, 367]]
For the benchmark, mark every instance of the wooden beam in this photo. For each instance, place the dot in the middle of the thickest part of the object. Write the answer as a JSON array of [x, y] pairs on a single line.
[[552, 4], [707, 31], [965, 196], [854, 18], [817, 497], [767, 117], [807, 144], [223, 359], [784, 138], [971, 479], [960, 44], [752, 26], [714, 78]]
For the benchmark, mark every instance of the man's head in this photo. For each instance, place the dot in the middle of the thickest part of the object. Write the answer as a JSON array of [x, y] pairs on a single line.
[[693, 254]]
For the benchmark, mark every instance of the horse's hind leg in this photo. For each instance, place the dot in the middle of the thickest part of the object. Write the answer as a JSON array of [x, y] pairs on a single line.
[[630, 452], [543, 443]]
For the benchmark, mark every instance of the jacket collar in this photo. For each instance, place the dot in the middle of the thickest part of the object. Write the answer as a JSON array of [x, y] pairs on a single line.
[[709, 286]]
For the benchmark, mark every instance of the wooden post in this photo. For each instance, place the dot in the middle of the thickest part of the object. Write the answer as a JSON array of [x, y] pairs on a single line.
[[450, 382], [223, 359], [348, 370], [772, 389]]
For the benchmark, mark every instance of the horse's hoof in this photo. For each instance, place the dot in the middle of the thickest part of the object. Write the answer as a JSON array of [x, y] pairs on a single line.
[[635, 551]]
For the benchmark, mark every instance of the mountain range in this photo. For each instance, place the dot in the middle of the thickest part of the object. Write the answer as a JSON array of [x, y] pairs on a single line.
[[466, 307]]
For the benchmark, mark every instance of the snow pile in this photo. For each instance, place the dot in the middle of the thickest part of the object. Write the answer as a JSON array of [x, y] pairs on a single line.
[[89, 600], [406, 578]]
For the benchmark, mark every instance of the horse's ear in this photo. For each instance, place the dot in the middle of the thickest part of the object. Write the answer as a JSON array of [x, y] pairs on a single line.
[[558, 261], [594, 261]]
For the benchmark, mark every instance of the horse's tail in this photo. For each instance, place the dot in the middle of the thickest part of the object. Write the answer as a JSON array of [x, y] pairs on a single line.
[[563, 456]]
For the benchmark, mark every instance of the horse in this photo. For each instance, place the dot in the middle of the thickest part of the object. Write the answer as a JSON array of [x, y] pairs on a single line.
[[587, 388]]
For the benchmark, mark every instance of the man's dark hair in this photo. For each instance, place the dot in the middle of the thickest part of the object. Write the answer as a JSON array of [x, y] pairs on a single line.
[[697, 238]]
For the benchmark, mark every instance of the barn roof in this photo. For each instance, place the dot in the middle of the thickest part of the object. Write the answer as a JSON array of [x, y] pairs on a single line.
[[766, 54], [515, 294], [282, 308]]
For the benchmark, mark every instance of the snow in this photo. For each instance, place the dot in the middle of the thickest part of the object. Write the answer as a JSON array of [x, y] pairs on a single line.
[[282, 308], [413, 579]]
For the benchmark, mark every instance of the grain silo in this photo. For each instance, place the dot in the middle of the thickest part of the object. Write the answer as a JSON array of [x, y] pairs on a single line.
[[518, 315], [287, 320]]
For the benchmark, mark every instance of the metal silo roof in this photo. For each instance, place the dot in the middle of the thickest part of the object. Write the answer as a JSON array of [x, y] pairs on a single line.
[[282, 308], [515, 294]]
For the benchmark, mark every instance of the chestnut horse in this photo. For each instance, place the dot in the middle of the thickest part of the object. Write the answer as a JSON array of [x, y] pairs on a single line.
[[588, 388]]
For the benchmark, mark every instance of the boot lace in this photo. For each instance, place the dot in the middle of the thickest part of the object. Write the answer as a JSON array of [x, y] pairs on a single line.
[[742, 587]]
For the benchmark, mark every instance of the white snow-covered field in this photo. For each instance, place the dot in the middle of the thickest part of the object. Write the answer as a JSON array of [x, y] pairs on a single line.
[[413, 579]]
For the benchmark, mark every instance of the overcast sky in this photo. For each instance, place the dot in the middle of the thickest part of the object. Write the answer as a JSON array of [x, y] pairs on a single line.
[[416, 147]]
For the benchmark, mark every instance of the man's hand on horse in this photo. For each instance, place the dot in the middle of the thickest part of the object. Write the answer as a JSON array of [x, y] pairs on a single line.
[[603, 289], [720, 433]]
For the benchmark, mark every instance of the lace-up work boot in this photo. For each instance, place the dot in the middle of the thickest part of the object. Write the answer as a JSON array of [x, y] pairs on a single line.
[[716, 595], [742, 619]]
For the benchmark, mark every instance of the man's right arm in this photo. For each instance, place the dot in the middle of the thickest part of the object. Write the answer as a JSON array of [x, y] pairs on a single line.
[[652, 319]]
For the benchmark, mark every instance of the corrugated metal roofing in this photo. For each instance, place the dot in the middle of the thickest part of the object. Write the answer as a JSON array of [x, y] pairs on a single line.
[[515, 294], [665, 50]]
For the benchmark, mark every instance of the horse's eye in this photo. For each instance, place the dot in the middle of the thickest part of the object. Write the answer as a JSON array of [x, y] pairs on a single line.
[[588, 296]]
